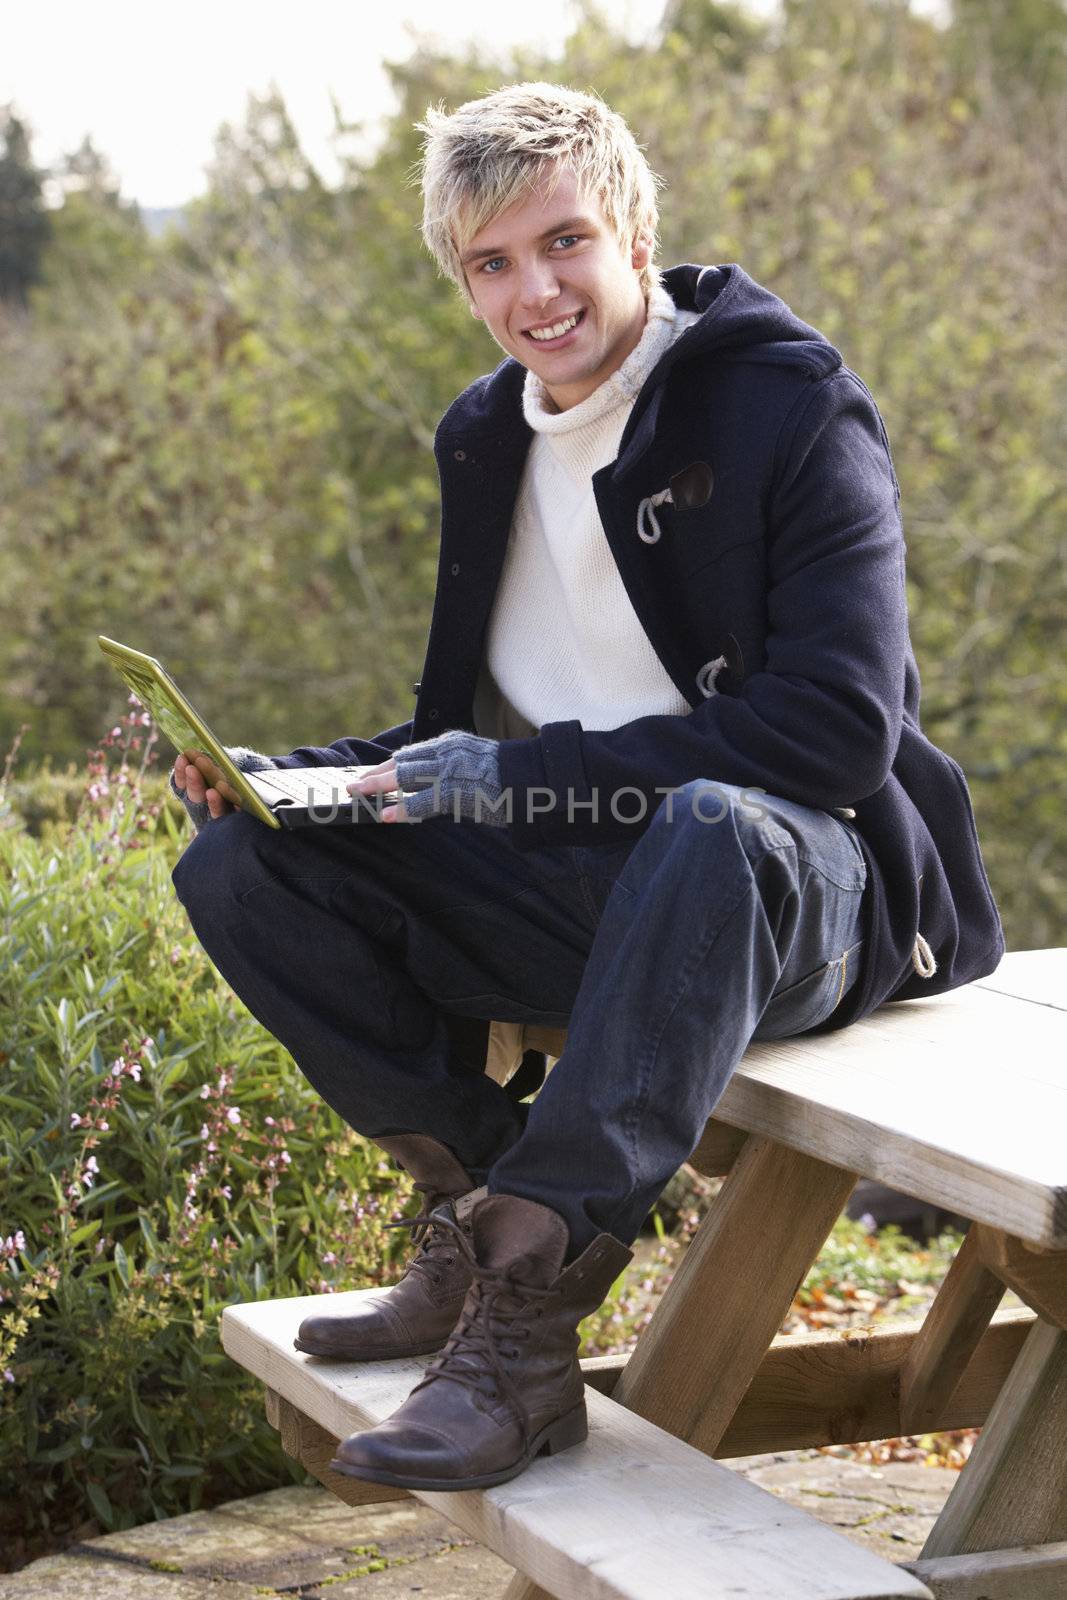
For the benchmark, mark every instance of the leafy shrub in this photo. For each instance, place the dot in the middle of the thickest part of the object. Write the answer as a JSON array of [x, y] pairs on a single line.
[[160, 1157]]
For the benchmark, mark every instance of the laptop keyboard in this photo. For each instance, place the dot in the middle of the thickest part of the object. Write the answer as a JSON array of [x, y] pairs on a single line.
[[315, 783]]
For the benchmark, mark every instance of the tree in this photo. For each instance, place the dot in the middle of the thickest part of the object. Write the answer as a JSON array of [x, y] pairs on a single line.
[[98, 243], [1014, 43], [24, 225]]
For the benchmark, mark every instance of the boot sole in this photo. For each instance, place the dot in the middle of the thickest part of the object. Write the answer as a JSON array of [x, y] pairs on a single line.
[[562, 1434], [376, 1355]]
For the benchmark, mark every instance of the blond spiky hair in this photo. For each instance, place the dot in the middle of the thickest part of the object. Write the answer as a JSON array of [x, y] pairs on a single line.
[[477, 161]]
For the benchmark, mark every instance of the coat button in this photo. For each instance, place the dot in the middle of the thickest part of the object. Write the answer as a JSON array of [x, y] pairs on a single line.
[[692, 487], [433, 714], [459, 455], [455, 569]]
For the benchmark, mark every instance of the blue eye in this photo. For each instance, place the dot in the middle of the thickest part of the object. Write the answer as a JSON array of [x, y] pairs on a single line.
[[494, 261], [566, 239]]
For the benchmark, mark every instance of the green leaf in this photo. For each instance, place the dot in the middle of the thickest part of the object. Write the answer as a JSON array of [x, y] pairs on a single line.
[[100, 1503], [86, 1231], [122, 1264]]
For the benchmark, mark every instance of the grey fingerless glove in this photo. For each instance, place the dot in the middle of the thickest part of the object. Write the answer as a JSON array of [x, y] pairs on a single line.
[[456, 775], [246, 760]]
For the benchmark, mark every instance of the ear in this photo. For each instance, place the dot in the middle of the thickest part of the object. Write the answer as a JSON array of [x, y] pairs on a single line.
[[641, 252]]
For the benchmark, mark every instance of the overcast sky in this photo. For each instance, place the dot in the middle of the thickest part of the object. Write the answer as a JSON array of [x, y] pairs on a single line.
[[152, 80]]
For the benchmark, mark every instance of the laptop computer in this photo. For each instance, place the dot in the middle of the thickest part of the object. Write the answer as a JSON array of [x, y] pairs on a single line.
[[296, 797]]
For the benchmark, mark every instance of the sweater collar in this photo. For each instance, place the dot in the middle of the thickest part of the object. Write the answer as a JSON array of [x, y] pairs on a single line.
[[620, 389]]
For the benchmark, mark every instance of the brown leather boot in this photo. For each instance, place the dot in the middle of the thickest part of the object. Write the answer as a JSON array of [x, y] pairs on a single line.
[[507, 1386], [419, 1312]]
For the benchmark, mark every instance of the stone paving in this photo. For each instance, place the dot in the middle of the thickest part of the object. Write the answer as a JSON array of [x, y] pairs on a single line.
[[303, 1542]]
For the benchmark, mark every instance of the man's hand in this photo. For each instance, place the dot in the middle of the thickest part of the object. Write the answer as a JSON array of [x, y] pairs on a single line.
[[199, 779], [381, 779], [457, 775]]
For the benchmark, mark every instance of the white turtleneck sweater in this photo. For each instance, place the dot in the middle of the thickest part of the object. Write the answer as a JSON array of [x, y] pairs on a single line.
[[563, 639]]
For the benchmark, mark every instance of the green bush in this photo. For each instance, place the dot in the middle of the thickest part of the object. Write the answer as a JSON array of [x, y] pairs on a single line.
[[160, 1157]]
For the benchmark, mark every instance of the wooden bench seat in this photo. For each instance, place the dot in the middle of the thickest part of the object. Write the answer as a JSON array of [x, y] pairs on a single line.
[[632, 1514]]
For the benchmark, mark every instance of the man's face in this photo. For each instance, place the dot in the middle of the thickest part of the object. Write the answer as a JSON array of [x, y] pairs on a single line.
[[557, 290]]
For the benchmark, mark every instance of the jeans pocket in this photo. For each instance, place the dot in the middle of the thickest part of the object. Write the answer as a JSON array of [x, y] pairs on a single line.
[[813, 998]]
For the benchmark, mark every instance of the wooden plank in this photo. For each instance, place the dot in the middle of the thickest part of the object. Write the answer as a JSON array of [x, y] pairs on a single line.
[[719, 1147], [1013, 1490], [1039, 976], [1038, 1276], [914, 1096], [948, 1338], [1036, 1572], [736, 1281], [840, 1388], [608, 1520]]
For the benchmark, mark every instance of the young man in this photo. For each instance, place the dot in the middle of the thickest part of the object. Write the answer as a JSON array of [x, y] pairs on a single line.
[[667, 762]]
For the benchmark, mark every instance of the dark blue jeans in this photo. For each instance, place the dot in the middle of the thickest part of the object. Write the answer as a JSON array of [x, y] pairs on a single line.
[[361, 947]]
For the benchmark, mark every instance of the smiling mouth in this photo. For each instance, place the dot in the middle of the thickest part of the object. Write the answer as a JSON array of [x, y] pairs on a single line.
[[556, 332]]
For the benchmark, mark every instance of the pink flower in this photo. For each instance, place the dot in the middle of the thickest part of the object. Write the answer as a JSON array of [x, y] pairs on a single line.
[[135, 1071], [286, 1158], [270, 1122], [9, 1376], [205, 1091], [226, 1192], [233, 1116], [75, 1120]]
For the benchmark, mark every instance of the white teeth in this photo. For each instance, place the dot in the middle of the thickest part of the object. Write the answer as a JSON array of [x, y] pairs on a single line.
[[556, 331]]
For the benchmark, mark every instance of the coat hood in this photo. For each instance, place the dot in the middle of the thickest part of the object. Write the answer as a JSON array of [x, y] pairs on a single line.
[[741, 320], [740, 323]]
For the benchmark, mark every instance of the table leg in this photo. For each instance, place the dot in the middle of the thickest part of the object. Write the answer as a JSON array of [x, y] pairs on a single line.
[[1013, 1490], [949, 1337], [732, 1291]]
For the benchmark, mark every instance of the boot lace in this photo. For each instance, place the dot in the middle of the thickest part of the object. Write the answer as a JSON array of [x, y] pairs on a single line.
[[433, 1243], [496, 1306]]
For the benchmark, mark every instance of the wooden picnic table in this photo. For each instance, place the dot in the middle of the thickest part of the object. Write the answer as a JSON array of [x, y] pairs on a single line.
[[960, 1100]]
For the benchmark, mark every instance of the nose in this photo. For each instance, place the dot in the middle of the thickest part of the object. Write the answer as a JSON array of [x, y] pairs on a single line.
[[538, 284]]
